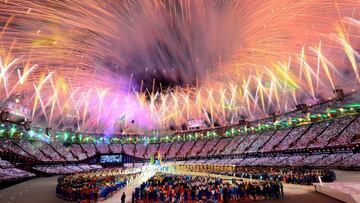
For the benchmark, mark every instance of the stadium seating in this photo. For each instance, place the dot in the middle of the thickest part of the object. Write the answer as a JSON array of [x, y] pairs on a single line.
[[220, 146], [315, 130], [347, 135], [64, 151], [208, 147], [175, 147], [129, 148], [151, 149], [103, 148], [292, 137], [164, 148], [232, 145], [260, 141], [140, 150], [90, 149], [9, 172], [116, 148], [78, 151], [275, 139], [333, 130], [185, 149], [328, 143]]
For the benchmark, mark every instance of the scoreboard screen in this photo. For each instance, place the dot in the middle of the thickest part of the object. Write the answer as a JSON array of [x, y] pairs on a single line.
[[111, 159], [18, 109], [196, 123]]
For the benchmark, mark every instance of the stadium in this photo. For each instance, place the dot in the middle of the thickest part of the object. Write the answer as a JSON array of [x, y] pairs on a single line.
[[179, 101]]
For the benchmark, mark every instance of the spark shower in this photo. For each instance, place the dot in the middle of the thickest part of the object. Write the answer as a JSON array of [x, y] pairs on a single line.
[[162, 62]]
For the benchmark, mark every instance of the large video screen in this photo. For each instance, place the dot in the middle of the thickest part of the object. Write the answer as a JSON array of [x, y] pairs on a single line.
[[18, 109], [111, 159], [194, 123]]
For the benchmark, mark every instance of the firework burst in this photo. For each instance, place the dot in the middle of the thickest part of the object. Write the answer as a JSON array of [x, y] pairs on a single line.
[[153, 64]]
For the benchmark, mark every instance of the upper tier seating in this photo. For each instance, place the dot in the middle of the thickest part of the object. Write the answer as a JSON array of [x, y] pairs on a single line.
[[175, 147], [140, 150], [116, 148], [274, 140], [151, 149], [333, 130], [311, 134], [208, 147], [164, 148], [221, 146], [348, 134], [64, 151]]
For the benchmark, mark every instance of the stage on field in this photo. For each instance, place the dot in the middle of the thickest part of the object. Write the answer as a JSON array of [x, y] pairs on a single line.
[[344, 191]]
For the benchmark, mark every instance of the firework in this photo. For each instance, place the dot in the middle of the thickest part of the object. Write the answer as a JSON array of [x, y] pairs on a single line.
[[152, 64]]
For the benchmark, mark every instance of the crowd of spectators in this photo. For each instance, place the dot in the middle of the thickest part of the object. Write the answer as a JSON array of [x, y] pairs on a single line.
[[116, 148], [220, 146], [208, 147], [351, 160], [66, 169], [164, 148], [175, 147], [274, 140], [197, 147], [233, 143], [249, 139], [289, 160], [151, 150], [9, 172], [49, 151], [78, 151], [14, 174], [8, 145], [103, 148], [333, 130], [140, 149], [185, 149], [64, 151], [303, 141], [348, 134], [346, 159], [129, 148], [311, 134], [261, 140], [185, 188], [337, 132], [89, 149], [33, 149], [291, 138]]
